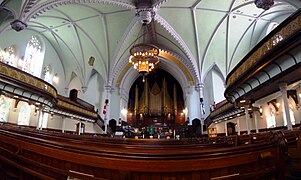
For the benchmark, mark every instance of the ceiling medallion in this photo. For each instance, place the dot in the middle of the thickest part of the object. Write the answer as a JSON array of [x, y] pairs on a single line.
[[264, 4]]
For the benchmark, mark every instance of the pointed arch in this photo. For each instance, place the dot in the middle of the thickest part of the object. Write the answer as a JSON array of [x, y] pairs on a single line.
[[34, 56], [215, 67]]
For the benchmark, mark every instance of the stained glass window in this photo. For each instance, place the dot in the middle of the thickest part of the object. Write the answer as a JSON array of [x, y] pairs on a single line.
[[33, 59], [8, 56], [271, 120]]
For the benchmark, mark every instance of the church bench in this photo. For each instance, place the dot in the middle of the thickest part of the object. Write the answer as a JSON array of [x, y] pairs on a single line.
[[117, 161]]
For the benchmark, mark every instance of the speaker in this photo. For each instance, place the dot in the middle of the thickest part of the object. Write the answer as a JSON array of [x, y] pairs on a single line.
[[73, 94]]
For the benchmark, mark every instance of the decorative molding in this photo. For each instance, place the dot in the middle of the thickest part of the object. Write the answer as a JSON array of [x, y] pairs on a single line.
[[293, 95], [274, 104], [192, 62], [119, 68], [50, 4], [28, 79]]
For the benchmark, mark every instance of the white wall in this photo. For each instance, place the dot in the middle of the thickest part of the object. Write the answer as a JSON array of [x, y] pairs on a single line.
[[93, 92], [55, 122], [218, 87], [70, 125]]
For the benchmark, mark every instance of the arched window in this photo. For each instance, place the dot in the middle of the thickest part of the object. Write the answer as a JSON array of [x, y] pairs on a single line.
[[24, 114], [33, 59], [8, 56], [271, 120], [4, 108], [291, 114]]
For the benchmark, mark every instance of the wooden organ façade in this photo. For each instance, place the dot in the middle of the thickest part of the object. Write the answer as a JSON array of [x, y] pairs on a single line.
[[157, 101]]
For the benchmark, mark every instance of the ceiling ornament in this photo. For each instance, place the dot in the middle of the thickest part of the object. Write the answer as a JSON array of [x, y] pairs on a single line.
[[18, 25], [264, 4], [145, 15]]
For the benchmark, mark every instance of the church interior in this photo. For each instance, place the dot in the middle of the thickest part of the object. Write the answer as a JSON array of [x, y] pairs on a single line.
[[150, 89]]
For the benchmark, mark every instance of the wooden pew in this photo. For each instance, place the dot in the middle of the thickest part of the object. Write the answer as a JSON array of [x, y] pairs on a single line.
[[51, 156]]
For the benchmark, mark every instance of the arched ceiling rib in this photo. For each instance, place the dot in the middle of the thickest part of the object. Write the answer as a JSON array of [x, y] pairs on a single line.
[[201, 32]]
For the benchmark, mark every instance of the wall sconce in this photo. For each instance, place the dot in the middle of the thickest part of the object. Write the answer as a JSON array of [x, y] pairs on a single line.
[[260, 111], [275, 104], [55, 78], [293, 95], [124, 112]]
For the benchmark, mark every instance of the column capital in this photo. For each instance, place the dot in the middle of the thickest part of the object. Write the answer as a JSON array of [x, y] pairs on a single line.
[[283, 87], [199, 87], [109, 89]]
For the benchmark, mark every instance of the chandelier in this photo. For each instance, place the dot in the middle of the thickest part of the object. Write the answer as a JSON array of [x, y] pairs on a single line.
[[144, 57], [264, 4]]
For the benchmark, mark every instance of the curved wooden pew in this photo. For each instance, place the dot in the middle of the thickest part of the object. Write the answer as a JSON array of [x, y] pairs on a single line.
[[55, 156]]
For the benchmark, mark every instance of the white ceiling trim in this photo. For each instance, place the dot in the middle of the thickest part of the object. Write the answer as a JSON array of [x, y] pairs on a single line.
[[157, 4], [50, 4], [197, 40], [203, 59], [58, 44], [120, 62], [192, 66]]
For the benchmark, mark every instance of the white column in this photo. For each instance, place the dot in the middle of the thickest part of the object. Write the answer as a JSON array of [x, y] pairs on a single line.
[[238, 127], [283, 90], [123, 105], [256, 116], [256, 121], [63, 125], [79, 127], [247, 119], [202, 125], [226, 129], [193, 103], [40, 118], [106, 118]]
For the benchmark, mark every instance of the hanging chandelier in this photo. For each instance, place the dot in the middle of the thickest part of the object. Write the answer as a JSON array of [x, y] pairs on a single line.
[[144, 57]]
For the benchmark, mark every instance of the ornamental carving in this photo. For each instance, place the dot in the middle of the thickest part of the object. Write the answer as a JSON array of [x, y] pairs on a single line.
[[27, 79]]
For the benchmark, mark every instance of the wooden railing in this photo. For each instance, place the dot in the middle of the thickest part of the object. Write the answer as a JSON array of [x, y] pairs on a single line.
[[26, 82], [32, 153]]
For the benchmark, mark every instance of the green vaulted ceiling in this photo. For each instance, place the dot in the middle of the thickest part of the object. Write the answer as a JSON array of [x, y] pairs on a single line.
[[201, 32]]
